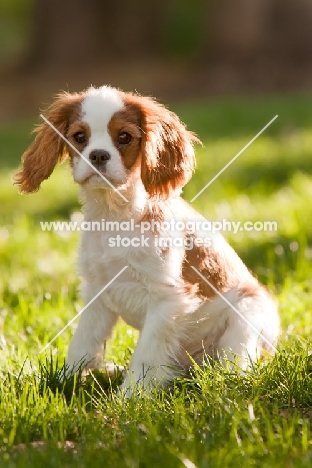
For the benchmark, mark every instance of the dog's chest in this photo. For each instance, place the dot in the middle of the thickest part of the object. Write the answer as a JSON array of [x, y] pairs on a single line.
[[149, 271]]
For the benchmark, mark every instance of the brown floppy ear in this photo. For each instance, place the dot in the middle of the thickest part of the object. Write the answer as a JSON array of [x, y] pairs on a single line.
[[168, 158], [41, 157]]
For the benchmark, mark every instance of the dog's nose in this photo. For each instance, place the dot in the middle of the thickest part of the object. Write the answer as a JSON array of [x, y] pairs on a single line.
[[98, 157]]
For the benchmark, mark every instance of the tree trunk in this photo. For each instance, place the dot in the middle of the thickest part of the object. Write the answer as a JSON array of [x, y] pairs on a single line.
[[78, 32]]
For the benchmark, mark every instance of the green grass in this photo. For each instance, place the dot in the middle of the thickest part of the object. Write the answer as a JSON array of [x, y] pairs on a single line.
[[215, 417]]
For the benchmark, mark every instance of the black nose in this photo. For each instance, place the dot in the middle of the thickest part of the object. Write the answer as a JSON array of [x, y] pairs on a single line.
[[98, 157]]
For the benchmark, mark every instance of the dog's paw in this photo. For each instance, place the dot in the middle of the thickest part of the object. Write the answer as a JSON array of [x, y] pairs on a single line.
[[113, 370]]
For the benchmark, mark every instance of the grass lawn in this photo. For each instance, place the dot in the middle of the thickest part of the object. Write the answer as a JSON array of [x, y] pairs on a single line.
[[216, 417]]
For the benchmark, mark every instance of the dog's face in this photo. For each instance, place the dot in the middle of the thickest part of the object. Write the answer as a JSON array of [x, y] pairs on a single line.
[[108, 135], [115, 134]]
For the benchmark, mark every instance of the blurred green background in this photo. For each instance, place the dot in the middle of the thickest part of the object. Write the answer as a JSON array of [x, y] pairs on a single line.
[[173, 49]]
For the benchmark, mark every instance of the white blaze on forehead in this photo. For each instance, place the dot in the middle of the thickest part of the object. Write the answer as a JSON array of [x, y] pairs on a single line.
[[99, 106]]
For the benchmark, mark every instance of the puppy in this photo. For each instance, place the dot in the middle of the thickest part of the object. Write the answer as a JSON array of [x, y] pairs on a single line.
[[187, 293]]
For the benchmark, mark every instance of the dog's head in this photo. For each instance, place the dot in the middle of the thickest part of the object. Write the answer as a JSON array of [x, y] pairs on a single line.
[[111, 133]]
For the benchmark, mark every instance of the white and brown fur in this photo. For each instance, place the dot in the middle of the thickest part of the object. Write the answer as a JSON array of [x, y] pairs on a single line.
[[177, 313]]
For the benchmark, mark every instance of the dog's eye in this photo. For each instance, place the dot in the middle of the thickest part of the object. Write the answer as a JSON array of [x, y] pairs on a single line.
[[79, 137], [124, 138]]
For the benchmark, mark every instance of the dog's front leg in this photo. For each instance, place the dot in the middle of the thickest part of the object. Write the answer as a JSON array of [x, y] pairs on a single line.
[[154, 361], [86, 348]]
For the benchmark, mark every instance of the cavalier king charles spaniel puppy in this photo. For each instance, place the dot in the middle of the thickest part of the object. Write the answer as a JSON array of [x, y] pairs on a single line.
[[189, 299]]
